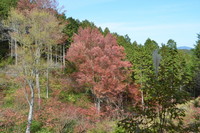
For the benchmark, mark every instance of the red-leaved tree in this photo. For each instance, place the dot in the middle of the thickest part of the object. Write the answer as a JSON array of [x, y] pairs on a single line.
[[100, 64]]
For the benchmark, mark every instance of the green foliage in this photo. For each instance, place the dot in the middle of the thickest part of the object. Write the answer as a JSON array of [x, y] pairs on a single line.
[[70, 67], [64, 96], [104, 126], [4, 49], [71, 28], [5, 6], [197, 47], [195, 84], [126, 43], [44, 130], [151, 44], [171, 44], [157, 115], [36, 126], [196, 103], [68, 97], [193, 127], [162, 84], [106, 31], [5, 62], [86, 24], [142, 62], [8, 100], [119, 130], [80, 99], [68, 127], [97, 131]]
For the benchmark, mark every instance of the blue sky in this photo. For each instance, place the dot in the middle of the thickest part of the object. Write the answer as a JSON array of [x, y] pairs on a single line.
[[159, 20]]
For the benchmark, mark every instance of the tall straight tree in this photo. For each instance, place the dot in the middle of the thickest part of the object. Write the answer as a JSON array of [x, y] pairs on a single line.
[[196, 84], [143, 67]]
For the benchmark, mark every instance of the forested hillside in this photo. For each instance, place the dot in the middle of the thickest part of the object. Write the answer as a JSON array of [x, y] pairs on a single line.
[[62, 75]]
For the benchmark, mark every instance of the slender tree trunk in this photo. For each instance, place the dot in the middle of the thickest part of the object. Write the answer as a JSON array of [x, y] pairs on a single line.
[[16, 56], [142, 93], [64, 55], [48, 55], [142, 99], [180, 88], [38, 87], [56, 52], [37, 77], [47, 74], [31, 106], [47, 85], [11, 47], [51, 55], [98, 105], [60, 55]]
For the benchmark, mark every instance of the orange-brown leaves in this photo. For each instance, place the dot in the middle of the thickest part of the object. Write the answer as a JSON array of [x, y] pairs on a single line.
[[100, 62]]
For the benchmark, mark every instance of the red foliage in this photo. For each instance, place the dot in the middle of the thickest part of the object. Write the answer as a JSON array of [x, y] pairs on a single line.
[[56, 114], [10, 117], [27, 5], [134, 93], [90, 114], [100, 62]]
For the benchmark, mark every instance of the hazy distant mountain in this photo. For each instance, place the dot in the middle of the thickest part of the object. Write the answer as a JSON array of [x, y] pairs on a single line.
[[184, 47]]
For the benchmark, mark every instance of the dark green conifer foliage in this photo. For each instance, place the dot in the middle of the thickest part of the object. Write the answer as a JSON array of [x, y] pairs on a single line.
[[161, 83], [5, 6]]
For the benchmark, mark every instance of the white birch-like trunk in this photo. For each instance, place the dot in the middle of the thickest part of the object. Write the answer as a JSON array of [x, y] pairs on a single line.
[[51, 55], [47, 74], [48, 55], [16, 56], [37, 76], [60, 56], [142, 93], [63, 55], [37, 79], [98, 105], [31, 107], [142, 100]]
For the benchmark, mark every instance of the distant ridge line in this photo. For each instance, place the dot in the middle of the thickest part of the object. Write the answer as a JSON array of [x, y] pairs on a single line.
[[185, 47]]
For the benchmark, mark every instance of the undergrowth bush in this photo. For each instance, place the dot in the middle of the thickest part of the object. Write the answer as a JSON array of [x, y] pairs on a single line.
[[103, 126], [69, 126], [36, 126], [5, 62], [79, 99], [192, 116], [44, 130], [8, 92]]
